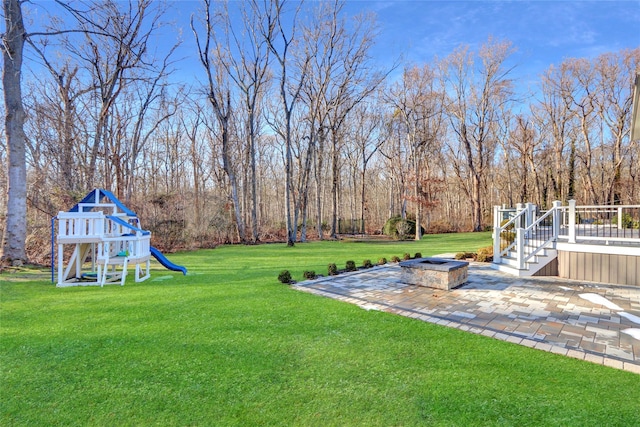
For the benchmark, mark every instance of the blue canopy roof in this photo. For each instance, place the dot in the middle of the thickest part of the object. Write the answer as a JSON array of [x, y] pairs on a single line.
[[97, 196]]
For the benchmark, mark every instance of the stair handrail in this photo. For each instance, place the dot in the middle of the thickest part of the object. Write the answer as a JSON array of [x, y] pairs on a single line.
[[529, 231], [498, 229], [522, 235]]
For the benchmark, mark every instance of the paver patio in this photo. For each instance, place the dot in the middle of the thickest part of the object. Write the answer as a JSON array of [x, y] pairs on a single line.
[[596, 322]]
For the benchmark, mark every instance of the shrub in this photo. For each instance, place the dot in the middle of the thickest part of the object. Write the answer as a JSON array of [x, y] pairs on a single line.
[[418, 255], [367, 263], [465, 255], [485, 254], [440, 227], [382, 261], [391, 227], [510, 227], [309, 274], [332, 270], [395, 259], [507, 238], [406, 256], [350, 266], [627, 221], [404, 229], [284, 276]]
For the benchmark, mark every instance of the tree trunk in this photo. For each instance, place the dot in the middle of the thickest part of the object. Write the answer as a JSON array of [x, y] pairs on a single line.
[[233, 182], [476, 203], [319, 156], [15, 231], [291, 231], [335, 177], [362, 200], [416, 195], [254, 186]]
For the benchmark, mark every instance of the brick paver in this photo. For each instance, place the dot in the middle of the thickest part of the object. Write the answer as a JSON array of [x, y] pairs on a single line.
[[596, 322]]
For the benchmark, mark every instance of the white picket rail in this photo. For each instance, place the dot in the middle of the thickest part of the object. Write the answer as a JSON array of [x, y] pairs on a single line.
[[525, 235]]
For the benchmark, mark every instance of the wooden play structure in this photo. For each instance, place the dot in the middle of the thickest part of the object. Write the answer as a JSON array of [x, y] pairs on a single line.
[[107, 240]]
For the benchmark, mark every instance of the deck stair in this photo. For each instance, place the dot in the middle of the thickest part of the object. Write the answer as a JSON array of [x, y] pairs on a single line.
[[590, 242], [525, 239]]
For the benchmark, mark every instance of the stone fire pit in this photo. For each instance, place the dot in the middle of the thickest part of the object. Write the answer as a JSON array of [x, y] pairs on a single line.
[[435, 273]]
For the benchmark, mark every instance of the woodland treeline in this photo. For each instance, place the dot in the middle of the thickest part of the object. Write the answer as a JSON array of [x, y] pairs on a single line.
[[289, 126]]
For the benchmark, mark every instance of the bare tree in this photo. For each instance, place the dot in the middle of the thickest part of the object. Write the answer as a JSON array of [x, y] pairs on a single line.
[[523, 141], [586, 107], [114, 48], [65, 117], [368, 139], [584, 110], [554, 113], [351, 81], [321, 37], [418, 104], [251, 77], [476, 97], [15, 230], [293, 69], [219, 95], [615, 74], [193, 122], [397, 165], [245, 58]]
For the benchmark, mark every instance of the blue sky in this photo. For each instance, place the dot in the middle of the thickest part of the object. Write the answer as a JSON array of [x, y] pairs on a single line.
[[543, 32]]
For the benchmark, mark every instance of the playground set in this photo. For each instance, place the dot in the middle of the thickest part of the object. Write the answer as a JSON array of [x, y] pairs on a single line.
[[107, 240]]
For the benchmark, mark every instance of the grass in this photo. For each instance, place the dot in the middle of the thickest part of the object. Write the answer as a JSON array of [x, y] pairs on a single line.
[[229, 345]]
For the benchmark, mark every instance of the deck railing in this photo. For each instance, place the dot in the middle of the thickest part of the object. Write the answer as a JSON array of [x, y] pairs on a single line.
[[600, 224], [525, 231], [526, 234]]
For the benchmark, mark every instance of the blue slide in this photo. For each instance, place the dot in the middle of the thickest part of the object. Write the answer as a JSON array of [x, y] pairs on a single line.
[[165, 262]]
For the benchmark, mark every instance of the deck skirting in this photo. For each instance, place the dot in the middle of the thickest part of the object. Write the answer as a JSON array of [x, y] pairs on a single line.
[[599, 266]]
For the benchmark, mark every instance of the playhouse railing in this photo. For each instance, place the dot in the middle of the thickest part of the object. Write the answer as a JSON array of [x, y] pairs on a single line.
[[132, 247], [90, 225]]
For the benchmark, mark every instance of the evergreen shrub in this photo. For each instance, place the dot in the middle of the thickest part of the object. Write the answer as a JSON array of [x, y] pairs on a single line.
[[284, 276], [332, 270]]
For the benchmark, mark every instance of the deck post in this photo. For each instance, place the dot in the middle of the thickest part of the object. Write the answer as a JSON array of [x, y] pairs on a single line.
[[529, 215], [60, 264], [519, 223], [496, 234], [557, 219], [620, 218], [520, 248], [572, 221], [531, 210]]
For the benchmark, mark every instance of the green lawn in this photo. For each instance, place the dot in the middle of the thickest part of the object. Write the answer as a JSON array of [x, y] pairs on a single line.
[[229, 345]]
